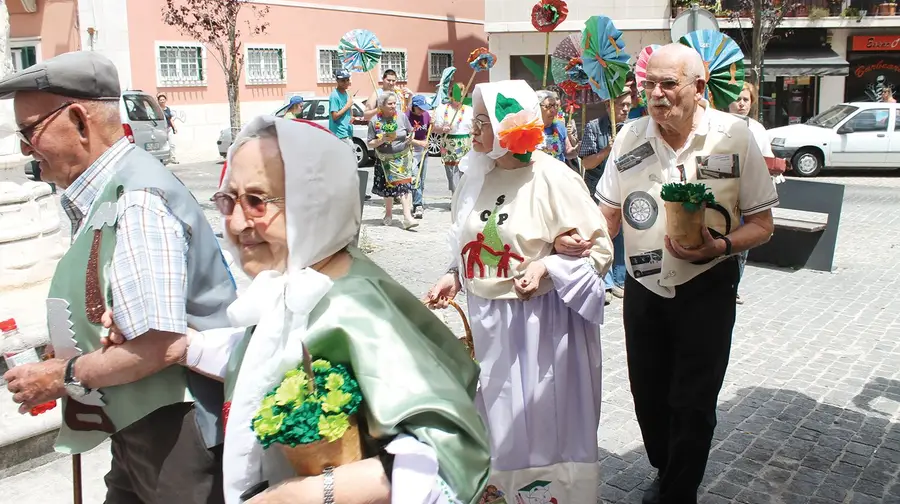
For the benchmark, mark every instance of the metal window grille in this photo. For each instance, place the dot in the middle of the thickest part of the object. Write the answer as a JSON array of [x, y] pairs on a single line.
[[329, 61], [181, 66], [265, 65], [396, 61], [437, 63]]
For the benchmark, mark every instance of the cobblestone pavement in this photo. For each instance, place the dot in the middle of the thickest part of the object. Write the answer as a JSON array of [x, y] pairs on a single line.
[[810, 409]]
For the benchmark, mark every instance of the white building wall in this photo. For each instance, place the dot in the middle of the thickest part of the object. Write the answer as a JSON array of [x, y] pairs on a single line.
[[831, 90], [109, 20], [505, 45]]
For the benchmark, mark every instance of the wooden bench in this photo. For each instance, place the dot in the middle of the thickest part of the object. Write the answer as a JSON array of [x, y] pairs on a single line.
[[806, 225]]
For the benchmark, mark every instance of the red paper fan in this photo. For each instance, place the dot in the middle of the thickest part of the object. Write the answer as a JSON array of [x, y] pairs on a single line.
[[546, 15]]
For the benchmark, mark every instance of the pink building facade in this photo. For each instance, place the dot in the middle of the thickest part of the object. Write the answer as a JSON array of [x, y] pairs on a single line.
[[296, 54]]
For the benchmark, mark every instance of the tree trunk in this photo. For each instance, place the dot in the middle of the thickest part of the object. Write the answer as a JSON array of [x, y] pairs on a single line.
[[757, 51], [234, 106]]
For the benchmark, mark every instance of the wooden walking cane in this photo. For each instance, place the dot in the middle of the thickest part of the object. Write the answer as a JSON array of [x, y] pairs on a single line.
[[583, 117], [76, 478]]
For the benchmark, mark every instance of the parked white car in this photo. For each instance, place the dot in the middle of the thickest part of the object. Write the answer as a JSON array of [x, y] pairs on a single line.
[[315, 109], [849, 135]]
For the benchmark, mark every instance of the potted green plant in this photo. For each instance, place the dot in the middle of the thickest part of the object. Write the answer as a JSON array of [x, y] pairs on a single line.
[[679, 6], [685, 211], [887, 9], [850, 12], [312, 416], [817, 13]]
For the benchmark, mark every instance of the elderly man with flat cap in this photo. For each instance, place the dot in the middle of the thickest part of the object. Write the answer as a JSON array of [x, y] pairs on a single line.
[[679, 309], [140, 245]]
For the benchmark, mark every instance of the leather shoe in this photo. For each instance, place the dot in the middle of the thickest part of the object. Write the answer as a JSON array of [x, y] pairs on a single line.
[[651, 494]]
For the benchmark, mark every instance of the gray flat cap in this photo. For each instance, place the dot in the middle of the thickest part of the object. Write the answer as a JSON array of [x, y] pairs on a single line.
[[80, 74]]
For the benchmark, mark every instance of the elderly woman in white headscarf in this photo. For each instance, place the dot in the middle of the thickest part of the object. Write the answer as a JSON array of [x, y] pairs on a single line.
[[291, 210], [534, 315]]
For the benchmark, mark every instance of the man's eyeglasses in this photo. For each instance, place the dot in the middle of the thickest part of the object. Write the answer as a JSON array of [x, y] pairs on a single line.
[[26, 133], [665, 85], [254, 206]]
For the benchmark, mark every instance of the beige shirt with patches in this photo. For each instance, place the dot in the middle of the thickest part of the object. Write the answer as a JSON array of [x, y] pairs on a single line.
[[520, 213]]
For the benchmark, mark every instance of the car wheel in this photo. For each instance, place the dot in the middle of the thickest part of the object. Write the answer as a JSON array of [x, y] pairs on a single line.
[[807, 162], [434, 145], [362, 152], [638, 274]]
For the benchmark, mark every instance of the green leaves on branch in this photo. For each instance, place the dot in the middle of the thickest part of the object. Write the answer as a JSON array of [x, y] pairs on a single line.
[[692, 195]]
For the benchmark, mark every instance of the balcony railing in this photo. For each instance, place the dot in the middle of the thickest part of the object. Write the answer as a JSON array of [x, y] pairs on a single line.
[[811, 9]]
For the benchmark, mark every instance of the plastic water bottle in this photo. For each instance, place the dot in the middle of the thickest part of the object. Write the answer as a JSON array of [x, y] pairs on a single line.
[[17, 352]]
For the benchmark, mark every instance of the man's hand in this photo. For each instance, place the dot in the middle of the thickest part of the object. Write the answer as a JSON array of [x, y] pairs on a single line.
[[115, 336], [710, 248], [34, 384], [528, 283], [572, 244]]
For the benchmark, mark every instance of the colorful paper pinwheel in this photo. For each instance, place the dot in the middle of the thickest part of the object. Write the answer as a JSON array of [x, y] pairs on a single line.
[[360, 52], [640, 68], [481, 59], [567, 69], [546, 15], [724, 62], [605, 60], [443, 88]]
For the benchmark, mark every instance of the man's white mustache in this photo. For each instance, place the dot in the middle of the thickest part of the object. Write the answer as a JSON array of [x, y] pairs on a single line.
[[661, 102]]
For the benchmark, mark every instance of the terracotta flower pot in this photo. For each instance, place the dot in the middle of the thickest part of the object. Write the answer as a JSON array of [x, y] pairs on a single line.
[[313, 458], [801, 11], [684, 226], [887, 9]]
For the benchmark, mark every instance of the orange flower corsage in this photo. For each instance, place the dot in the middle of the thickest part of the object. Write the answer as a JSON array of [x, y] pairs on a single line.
[[521, 133]]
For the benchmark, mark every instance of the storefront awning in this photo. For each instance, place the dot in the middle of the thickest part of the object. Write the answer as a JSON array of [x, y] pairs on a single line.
[[804, 62]]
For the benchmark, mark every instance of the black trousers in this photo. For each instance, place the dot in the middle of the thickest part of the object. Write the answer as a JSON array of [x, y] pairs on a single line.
[[678, 352]]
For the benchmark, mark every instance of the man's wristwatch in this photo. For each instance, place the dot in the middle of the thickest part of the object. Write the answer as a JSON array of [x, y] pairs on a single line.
[[727, 245], [73, 387], [328, 491]]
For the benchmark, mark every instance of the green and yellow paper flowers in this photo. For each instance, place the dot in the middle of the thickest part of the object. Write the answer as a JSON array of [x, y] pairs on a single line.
[[296, 414]]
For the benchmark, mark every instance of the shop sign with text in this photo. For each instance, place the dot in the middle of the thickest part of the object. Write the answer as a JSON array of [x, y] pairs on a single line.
[[875, 43]]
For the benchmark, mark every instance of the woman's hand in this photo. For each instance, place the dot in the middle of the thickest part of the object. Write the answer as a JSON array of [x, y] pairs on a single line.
[[361, 482], [529, 281], [572, 244], [443, 291], [445, 129]]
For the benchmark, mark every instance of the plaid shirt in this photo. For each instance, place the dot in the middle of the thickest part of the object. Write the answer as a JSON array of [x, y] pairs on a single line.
[[149, 269]]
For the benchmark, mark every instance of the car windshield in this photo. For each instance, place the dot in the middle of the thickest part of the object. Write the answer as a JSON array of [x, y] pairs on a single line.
[[831, 117], [142, 108]]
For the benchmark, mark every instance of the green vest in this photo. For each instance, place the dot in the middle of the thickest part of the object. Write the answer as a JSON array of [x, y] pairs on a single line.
[[75, 299]]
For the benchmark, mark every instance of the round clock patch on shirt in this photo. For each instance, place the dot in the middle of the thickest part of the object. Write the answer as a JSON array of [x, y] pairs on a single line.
[[640, 210]]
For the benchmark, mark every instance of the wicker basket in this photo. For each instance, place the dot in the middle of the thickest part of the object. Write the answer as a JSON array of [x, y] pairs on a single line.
[[467, 339], [312, 459]]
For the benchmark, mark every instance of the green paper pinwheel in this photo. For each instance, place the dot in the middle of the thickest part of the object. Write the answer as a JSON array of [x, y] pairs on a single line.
[[724, 62]]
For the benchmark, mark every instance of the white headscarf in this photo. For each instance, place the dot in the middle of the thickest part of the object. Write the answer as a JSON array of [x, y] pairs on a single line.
[[322, 215], [480, 164]]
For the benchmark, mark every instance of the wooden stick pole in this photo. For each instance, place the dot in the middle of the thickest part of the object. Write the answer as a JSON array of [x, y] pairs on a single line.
[[583, 118], [612, 116], [372, 78], [424, 154], [546, 59], [76, 478]]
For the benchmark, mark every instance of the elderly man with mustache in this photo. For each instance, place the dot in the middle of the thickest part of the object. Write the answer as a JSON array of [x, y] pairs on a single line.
[[680, 309]]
